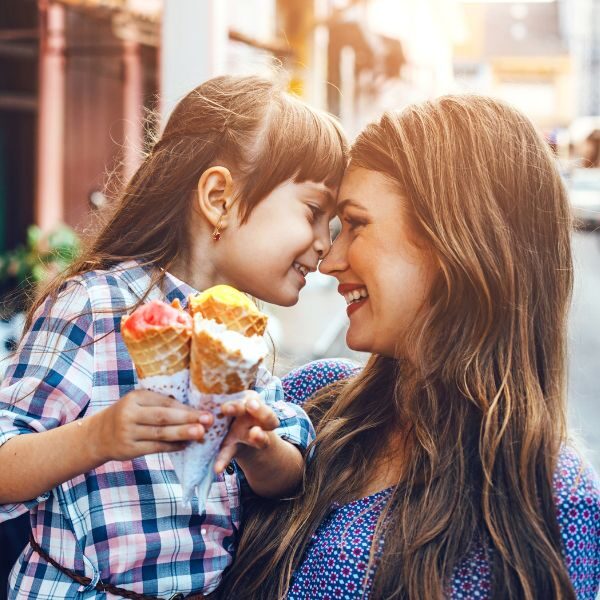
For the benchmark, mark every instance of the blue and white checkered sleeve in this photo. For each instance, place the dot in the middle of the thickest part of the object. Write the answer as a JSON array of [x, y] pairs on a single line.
[[294, 424], [48, 381]]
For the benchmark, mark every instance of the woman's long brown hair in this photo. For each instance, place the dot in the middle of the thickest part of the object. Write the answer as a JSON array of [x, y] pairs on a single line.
[[483, 404], [249, 124]]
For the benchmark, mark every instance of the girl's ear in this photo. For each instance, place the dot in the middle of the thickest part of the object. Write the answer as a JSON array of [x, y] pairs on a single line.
[[215, 195]]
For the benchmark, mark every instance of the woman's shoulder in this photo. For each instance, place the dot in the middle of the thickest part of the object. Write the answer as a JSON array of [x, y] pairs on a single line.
[[576, 481], [301, 383], [577, 502], [577, 492]]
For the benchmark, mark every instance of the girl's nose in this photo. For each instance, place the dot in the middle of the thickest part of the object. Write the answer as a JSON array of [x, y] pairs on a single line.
[[322, 243]]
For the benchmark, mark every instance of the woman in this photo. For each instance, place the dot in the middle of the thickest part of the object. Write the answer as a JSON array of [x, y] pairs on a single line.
[[442, 468]]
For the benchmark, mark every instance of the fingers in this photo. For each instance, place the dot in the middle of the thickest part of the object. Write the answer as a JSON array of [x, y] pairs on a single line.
[[159, 423], [155, 447], [255, 437], [262, 414], [177, 415], [157, 409], [255, 408], [152, 399], [143, 422], [225, 456], [258, 438], [234, 409], [148, 398], [170, 433]]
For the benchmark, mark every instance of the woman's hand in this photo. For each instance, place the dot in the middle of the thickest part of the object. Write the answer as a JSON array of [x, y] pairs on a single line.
[[251, 429], [144, 422]]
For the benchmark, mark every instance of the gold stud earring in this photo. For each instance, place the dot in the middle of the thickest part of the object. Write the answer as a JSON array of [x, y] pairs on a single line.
[[216, 234]]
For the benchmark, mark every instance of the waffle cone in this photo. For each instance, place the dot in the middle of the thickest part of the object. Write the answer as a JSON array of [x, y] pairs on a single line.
[[215, 370], [162, 351], [245, 319]]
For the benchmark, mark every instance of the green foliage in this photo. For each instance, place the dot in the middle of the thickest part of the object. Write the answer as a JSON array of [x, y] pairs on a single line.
[[43, 256]]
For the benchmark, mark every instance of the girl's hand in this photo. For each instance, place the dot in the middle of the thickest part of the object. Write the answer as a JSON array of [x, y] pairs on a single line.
[[250, 430], [144, 422]]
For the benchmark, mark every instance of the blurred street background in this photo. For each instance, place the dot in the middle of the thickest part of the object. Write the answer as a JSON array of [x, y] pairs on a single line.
[[83, 83], [79, 80]]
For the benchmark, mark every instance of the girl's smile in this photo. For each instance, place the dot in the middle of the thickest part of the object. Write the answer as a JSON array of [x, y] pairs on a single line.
[[303, 270], [285, 236]]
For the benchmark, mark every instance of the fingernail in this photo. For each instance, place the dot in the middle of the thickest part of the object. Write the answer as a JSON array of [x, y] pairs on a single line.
[[195, 430], [204, 419], [253, 404]]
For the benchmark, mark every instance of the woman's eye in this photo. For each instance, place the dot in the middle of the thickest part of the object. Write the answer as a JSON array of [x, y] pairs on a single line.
[[353, 224]]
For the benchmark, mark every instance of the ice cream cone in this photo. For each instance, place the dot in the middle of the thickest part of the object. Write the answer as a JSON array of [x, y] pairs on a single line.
[[161, 348], [232, 308], [222, 361]]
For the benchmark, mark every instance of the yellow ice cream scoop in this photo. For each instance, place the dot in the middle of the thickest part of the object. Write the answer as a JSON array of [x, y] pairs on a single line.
[[224, 304]]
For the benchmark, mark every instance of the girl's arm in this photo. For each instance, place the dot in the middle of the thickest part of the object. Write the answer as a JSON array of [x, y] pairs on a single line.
[[140, 423], [48, 387], [273, 471], [272, 466], [277, 471], [34, 463]]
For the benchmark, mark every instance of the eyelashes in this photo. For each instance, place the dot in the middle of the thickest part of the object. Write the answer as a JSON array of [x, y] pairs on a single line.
[[316, 212], [353, 224]]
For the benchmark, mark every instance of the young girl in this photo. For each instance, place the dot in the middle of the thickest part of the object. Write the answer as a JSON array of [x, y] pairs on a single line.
[[238, 190]]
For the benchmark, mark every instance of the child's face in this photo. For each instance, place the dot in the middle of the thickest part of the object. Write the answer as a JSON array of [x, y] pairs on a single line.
[[284, 237]]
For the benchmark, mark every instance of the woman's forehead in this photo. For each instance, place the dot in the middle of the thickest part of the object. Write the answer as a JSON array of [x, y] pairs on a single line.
[[359, 182]]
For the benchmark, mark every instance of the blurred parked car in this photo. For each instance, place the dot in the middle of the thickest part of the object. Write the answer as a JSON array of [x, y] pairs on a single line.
[[584, 193]]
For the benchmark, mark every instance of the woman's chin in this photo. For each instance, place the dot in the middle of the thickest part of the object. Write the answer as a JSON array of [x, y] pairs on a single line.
[[356, 343]]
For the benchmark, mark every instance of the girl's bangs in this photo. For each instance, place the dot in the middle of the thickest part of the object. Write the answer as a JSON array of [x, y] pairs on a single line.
[[309, 145]]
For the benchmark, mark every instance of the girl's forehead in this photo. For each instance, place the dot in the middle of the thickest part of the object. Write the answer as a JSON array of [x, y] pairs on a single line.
[[320, 190]]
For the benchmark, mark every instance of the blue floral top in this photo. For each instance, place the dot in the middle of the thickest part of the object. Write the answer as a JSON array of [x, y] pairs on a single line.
[[336, 562]]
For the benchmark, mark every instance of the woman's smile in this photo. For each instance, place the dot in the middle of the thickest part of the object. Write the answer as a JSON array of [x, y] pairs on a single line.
[[356, 295], [382, 273]]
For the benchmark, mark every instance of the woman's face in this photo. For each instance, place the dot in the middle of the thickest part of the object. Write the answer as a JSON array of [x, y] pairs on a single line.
[[383, 275]]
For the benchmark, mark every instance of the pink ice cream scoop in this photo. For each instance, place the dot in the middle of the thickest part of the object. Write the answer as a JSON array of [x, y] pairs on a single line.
[[157, 336]]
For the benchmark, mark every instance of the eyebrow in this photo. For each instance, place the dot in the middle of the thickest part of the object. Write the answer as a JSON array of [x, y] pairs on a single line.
[[349, 202], [323, 192]]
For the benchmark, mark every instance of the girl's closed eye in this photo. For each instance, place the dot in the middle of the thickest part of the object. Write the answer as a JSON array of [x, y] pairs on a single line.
[[316, 212]]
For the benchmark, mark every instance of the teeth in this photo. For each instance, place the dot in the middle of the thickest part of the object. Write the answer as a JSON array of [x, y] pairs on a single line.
[[301, 268], [356, 295]]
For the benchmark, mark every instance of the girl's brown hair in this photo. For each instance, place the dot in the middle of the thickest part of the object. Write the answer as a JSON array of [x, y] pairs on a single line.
[[264, 135], [483, 404]]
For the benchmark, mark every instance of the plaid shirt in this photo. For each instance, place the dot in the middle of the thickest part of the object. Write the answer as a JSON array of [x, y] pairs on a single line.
[[122, 523]]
